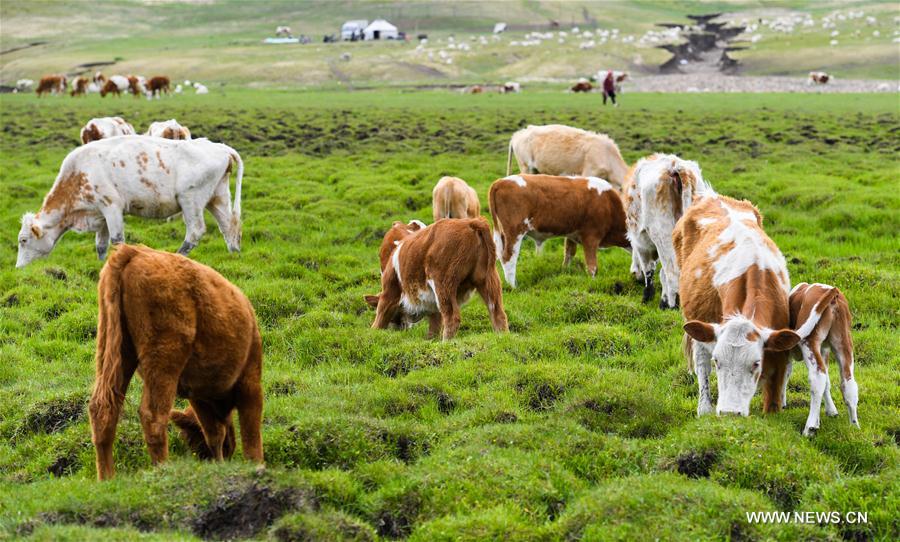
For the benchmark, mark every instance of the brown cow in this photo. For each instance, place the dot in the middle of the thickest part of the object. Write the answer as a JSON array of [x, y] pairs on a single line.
[[582, 86], [186, 331], [158, 85], [80, 86], [556, 149], [137, 85], [584, 210], [434, 271], [54, 84], [110, 87], [453, 198], [821, 317], [734, 295]]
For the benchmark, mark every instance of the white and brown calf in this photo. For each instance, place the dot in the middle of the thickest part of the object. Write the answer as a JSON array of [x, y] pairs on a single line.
[[555, 149], [453, 198], [582, 210], [434, 271], [819, 78], [658, 191], [169, 129], [394, 236], [104, 128], [821, 317], [734, 288], [100, 182], [116, 84]]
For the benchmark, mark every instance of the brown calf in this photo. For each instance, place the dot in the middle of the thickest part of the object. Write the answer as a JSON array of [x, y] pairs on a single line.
[[453, 198], [54, 84], [821, 317], [157, 85], [434, 271], [582, 86], [186, 331], [79, 86], [734, 288], [398, 232], [584, 210], [110, 87], [136, 85]]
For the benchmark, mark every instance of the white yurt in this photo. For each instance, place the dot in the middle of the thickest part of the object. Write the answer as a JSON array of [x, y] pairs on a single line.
[[380, 29], [353, 27]]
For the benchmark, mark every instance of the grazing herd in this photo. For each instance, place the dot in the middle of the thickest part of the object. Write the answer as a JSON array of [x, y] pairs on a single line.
[[188, 332], [116, 85]]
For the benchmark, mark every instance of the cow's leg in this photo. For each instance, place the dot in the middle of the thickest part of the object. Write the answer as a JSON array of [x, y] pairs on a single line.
[[449, 307], [538, 246], [591, 245], [115, 224], [194, 224], [104, 413], [509, 259], [818, 380], [101, 241], [434, 325], [702, 357], [787, 377], [843, 350], [249, 403], [570, 249], [644, 253], [214, 428], [156, 401], [491, 293], [668, 275], [220, 207]]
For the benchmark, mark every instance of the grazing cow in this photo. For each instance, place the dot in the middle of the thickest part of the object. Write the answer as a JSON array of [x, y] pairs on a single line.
[[555, 149], [434, 271], [510, 87], [474, 89], [146, 176], [169, 129], [821, 317], [283, 32], [158, 85], [137, 85], [99, 79], [453, 198], [734, 288], [583, 210], [80, 86], [819, 78], [54, 84], [116, 84], [658, 191], [105, 127], [188, 425], [582, 85], [186, 331]]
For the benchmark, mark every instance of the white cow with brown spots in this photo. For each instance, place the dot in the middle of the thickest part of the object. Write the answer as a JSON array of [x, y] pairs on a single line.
[[582, 210], [555, 149], [453, 198], [734, 288], [660, 188], [152, 177], [105, 127], [821, 317], [169, 129]]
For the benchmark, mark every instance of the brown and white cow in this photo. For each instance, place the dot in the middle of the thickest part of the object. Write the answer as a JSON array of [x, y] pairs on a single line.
[[510, 87], [158, 85], [582, 86], [116, 84], [80, 86], [145, 176], [734, 288], [434, 271], [819, 78], [659, 189], [137, 85], [105, 127], [169, 129], [555, 149], [821, 317], [583, 210], [453, 198], [54, 84]]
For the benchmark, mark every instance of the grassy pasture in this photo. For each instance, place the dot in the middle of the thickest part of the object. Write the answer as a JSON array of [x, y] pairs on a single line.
[[579, 423]]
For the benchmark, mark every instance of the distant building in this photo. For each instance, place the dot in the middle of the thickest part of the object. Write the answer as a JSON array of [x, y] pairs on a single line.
[[353, 28], [380, 29]]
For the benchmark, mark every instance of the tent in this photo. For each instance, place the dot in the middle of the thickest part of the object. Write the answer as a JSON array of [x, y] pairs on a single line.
[[380, 30], [499, 28], [353, 27]]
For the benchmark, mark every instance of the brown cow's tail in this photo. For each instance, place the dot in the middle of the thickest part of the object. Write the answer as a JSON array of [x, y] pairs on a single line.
[[498, 228], [108, 384], [687, 348], [483, 231], [680, 187]]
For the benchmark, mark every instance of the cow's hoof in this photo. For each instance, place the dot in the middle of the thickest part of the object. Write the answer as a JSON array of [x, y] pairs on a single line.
[[831, 414], [809, 431], [704, 409]]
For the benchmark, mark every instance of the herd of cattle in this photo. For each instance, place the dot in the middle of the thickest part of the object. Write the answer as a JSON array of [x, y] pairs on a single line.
[[116, 85], [190, 332]]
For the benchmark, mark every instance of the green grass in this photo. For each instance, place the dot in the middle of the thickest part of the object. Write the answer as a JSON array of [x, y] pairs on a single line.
[[579, 423]]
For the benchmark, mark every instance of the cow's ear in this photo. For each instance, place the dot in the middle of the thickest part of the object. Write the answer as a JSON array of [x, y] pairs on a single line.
[[36, 231], [783, 339], [372, 300], [700, 331]]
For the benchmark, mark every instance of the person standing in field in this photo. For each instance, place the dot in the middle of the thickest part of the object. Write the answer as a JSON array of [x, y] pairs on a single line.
[[609, 88]]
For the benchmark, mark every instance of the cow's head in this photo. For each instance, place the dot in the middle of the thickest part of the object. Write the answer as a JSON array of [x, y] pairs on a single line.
[[737, 347], [401, 319], [34, 242]]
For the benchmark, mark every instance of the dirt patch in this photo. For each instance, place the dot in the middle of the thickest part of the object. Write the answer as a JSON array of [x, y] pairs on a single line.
[[395, 519], [541, 396], [506, 417], [12, 300], [54, 415], [695, 464], [56, 273], [243, 512]]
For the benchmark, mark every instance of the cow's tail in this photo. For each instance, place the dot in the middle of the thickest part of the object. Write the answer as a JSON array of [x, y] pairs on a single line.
[[509, 152], [483, 231], [687, 348], [498, 228], [109, 381], [239, 176], [680, 187]]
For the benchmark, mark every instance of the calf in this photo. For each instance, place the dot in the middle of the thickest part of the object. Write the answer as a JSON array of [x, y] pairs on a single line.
[[658, 191], [583, 210], [103, 128], [394, 236], [819, 78], [116, 84], [80, 86], [555, 149], [434, 271], [169, 129], [582, 86], [734, 295], [453, 198], [137, 85], [146, 176], [186, 331], [54, 84], [510, 87], [158, 85], [821, 317]]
